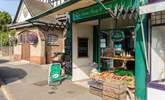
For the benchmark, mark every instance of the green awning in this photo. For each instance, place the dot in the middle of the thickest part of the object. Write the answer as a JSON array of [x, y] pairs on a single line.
[[97, 9]]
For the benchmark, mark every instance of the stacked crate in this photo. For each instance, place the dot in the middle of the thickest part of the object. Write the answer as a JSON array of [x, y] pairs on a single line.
[[96, 88], [114, 90]]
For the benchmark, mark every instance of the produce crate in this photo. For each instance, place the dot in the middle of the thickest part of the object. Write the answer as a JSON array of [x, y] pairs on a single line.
[[111, 96], [114, 90], [96, 87], [96, 84], [122, 97], [96, 91]]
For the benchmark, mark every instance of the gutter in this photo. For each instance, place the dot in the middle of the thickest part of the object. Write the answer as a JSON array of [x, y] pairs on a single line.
[[26, 24], [65, 4]]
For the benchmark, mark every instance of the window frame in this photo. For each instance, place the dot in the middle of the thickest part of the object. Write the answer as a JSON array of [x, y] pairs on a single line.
[[158, 16], [52, 42], [78, 56], [153, 83], [20, 38]]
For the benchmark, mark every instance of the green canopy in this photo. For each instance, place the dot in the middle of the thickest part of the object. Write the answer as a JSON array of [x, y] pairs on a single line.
[[101, 9]]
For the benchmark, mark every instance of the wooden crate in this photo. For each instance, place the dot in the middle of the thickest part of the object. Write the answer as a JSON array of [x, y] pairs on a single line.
[[122, 97], [96, 91], [96, 84], [114, 96], [117, 84], [114, 90]]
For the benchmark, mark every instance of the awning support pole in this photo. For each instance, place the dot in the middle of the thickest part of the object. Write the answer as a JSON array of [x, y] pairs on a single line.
[[144, 44]]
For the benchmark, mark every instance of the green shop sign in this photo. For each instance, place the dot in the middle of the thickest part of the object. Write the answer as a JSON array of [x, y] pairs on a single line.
[[117, 36]]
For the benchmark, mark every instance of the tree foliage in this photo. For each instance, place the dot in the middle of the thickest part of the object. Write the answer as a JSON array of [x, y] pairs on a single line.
[[5, 20]]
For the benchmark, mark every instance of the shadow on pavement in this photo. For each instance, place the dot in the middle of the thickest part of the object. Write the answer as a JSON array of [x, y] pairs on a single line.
[[9, 75], [3, 61]]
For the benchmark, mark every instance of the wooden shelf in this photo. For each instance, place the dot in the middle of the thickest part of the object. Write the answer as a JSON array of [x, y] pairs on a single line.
[[119, 58]]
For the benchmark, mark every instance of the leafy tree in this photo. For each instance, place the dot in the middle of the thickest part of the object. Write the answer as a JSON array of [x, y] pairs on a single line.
[[5, 20]]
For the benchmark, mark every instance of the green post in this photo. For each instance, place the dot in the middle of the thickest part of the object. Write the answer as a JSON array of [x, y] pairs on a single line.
[[141, 67], [95, 31], [98, 47], [68, 47]]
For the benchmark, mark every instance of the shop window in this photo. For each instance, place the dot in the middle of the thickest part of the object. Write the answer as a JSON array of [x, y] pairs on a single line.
[[157, 46], [82, 47], [158, 53], [52, 39]]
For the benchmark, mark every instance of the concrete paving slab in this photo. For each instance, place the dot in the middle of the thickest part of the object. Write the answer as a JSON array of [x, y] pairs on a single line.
[[28, 82], [2, 97]]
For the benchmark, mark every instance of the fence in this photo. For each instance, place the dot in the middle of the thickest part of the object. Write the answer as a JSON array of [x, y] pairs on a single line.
[[6, 51]]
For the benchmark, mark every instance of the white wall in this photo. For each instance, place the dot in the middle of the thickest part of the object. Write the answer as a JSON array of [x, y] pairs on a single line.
[[157, 52], [81, 66], [154, 94], [39, 48], [17, 50], [56, 2], [21, 16]]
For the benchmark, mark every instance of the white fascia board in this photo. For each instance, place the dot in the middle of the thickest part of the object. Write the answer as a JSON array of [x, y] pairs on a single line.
[[151, 8]]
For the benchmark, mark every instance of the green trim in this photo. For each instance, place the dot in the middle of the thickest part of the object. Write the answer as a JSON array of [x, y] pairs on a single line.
[[68, 47], [98, 47], [95, 44], [62, 6], [93, 18], [99, 1], [97, 10], [141, 67]]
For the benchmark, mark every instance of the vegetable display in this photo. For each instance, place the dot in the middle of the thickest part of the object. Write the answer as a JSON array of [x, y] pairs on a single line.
[[122, 72], [118, 74]]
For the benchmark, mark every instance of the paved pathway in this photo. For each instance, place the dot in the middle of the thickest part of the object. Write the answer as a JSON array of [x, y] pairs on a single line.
[[2, 97], [29, 82]]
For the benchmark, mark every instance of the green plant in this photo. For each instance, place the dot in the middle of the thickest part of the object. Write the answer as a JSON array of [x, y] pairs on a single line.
[[5, 20]]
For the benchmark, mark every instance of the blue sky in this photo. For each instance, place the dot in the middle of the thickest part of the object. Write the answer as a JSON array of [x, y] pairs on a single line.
[[9, 6]]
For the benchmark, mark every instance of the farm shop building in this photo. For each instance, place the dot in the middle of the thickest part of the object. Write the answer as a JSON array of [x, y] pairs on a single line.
[[38, 42], [102, 32]]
